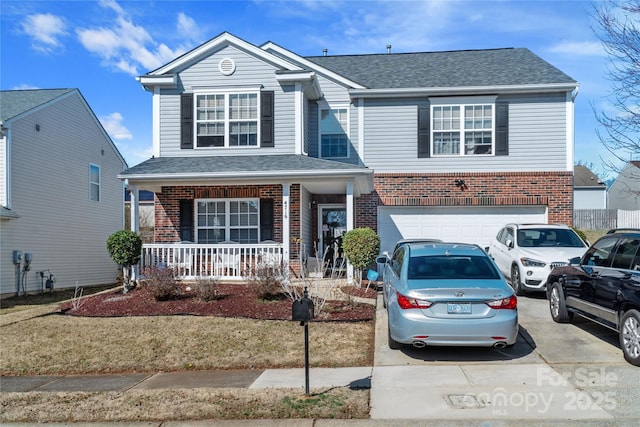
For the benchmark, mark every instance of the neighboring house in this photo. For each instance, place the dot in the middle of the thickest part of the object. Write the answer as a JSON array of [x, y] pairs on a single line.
[[588, 191], [624, 193], [59, 191], [256, 143], [145, 216]]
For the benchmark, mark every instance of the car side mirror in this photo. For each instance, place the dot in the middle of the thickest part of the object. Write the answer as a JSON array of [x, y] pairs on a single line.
[[509, 243], [574, 261], [383, 259]]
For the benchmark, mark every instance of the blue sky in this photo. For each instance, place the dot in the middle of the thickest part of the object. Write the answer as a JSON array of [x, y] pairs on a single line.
[[100, 47]]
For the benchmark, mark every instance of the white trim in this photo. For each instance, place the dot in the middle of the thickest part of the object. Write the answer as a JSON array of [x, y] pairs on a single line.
[[298, 122], [466, 100], [350, 223], [454, 90], [360, 103], [312, 65], [216, 44], [286, 214], [155, 113], [570, 106]]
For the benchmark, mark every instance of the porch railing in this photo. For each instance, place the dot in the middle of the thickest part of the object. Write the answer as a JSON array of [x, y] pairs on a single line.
[[191, 260]]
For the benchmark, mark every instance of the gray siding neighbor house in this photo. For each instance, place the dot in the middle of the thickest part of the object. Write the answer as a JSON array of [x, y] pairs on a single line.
[[589, 192], [259, 149], [59, 192], [624, 193]]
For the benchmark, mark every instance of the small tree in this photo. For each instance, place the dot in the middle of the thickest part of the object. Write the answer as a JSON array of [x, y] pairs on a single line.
[[361, 246], [125, 248]]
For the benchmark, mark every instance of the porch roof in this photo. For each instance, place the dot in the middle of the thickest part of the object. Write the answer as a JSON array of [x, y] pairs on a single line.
[[317, 175]]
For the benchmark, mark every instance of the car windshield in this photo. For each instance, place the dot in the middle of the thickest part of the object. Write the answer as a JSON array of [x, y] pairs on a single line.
[[451, 267], [549, 237]]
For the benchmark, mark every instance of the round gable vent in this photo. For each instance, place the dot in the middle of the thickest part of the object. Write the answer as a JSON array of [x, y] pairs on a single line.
[[227, 66]]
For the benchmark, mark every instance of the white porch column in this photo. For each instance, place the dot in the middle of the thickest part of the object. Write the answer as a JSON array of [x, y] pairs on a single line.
[[350, 219], [285, 221], [134, 211]]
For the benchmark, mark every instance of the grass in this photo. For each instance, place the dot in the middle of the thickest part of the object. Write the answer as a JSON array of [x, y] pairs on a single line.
[[593, 235], [34, 340]]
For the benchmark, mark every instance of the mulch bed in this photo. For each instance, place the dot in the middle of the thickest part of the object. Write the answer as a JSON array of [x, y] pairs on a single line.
[[235, 300]]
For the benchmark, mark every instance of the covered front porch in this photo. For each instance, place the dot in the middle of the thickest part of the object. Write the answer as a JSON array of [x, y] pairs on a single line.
[[217, 224]]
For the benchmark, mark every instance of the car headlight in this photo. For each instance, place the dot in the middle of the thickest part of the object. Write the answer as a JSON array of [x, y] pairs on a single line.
[[528, 262]]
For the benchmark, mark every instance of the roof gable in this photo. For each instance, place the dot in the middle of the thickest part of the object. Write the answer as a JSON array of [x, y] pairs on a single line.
[[583, 177]]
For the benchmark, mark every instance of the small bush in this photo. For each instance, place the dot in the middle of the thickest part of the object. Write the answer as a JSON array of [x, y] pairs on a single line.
[[163, 283], [267, 280], [580, 233], [207, 288], [361, 246]]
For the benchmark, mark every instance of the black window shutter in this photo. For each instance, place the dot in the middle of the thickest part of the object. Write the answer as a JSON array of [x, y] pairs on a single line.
[[186, 220], [424, 132], [266, 219], [502, 129], [186, 120], [266, 112]]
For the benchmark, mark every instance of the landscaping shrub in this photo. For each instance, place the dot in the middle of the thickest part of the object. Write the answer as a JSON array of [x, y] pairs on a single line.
[[267, 280], [162, 283], [125, 248], [361, 246], [207, 288]]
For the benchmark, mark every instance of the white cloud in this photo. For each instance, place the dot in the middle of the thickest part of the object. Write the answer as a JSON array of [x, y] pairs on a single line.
[[45, 31], [188, 28], [114, 127], [126, 46], [24, 86], [587, 48]]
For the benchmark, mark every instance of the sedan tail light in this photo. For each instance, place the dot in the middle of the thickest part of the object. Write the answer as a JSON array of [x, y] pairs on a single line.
[[407, 302], [509, 303]]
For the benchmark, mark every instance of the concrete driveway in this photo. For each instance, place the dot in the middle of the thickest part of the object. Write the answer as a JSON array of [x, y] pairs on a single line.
[[554, 372]]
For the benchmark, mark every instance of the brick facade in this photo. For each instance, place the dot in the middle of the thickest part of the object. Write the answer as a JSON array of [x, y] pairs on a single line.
[[551, 189]]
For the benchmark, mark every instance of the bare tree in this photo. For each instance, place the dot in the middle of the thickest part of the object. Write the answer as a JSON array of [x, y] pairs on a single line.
[[618, 28]]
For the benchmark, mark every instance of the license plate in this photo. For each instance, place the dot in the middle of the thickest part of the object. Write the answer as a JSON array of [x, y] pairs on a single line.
[[459, 308]]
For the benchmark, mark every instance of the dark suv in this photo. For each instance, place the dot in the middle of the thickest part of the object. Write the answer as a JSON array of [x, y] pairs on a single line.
[[603, 286]]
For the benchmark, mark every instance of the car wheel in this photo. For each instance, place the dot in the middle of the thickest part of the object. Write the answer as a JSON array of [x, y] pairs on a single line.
[[393, 344], [516, 283], [630, 336], [557, 306]]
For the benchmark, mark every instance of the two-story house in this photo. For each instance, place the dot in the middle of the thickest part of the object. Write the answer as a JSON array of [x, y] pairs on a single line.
[[256, 144], [59, 192]]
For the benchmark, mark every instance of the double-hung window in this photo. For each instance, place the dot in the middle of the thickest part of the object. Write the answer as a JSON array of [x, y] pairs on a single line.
[[334, 139], [227, 119], [463, 129], [222, 220], [94, 183]]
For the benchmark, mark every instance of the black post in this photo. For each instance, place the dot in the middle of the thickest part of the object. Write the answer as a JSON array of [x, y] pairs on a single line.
[[306, 358]]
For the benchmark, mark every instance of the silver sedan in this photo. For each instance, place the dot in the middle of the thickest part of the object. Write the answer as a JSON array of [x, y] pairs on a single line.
[[448, 294]]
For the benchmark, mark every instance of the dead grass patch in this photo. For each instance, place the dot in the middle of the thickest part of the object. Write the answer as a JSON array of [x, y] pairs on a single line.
[[58, 344], [183, 404]]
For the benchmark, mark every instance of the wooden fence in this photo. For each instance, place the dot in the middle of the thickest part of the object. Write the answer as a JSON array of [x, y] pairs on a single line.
[[605, 219]]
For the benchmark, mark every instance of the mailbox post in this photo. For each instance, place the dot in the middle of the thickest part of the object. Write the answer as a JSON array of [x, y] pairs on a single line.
[[302, 311]]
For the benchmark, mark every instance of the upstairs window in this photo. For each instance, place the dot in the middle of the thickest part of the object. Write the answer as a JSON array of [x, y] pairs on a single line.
[[462, 129], [94, 183], [334, 140], [226, 120]]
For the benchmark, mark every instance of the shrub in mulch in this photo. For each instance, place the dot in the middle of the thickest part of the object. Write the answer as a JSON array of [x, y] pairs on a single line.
[[232, 300]]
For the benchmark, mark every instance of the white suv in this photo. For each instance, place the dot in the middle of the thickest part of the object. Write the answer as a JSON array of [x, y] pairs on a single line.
[[526, 253]]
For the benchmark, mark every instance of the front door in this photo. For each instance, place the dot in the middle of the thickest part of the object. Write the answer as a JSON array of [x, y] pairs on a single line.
[[332, 224]]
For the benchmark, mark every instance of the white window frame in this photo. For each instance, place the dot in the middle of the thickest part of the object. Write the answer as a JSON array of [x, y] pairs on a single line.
[[227, 121], [227, 214], [93, 184], [332, 107], [462, 103]]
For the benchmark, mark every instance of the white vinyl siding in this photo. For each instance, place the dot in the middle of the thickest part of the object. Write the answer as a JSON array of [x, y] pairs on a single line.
[[64, 231]]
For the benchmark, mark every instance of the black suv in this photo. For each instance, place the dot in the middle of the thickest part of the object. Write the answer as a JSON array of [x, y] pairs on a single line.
[[603, 286]]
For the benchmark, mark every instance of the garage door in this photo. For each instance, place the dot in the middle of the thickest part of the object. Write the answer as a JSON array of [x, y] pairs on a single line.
[[454, 224]]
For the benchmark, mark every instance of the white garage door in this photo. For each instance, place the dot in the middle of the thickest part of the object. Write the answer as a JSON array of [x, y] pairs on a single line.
[[454, 224]]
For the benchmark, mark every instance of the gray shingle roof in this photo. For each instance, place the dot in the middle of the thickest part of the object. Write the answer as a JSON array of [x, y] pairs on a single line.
[[16, 102], [235, 164], [509, 66], [583, 177]]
